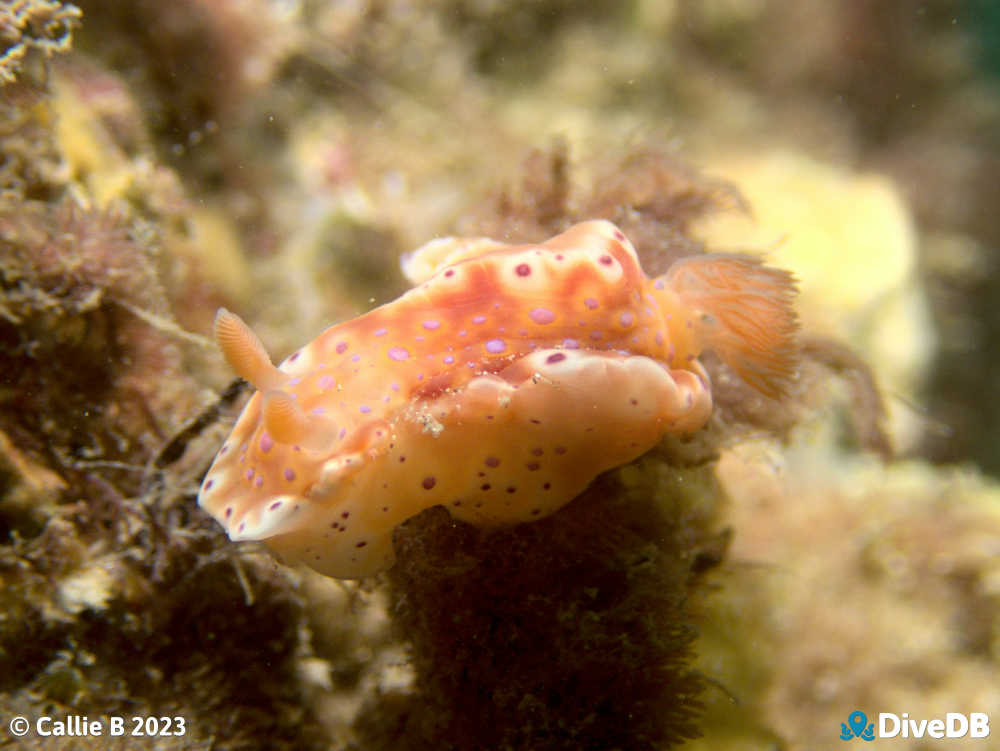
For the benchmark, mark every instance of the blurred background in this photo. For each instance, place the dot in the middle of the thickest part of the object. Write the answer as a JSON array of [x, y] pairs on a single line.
[[160, 159], [278, 114]]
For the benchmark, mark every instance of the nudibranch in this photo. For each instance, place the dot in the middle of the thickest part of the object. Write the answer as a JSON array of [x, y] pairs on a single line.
[[500, 386]]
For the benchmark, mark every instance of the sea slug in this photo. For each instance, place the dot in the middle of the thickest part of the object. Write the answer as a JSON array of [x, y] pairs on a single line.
[[498, 387]]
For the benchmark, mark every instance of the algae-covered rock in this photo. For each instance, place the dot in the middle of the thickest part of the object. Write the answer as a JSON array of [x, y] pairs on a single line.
[[854, 586], [572, 632], [105, 574], [277, 157]]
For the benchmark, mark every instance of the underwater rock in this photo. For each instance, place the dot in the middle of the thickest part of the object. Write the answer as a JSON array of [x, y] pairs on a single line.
[[573, 632], [859, 586]]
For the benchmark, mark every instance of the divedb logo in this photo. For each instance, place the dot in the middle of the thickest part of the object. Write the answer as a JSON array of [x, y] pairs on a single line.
[[889, 725]]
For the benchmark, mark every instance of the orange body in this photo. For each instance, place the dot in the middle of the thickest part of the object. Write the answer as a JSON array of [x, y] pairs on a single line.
[[499, 386]]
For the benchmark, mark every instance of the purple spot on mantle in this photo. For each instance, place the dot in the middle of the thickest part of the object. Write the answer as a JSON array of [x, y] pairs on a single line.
[[250, 474], [295, 356], [522, 269], [209, 484], [295, 382], [542, 316], [259, 481], [595, 335], [571, 344], [496, 346], [450, 272], [364, 409], [432, 325], [428, 483], [274, 506], [659, 284], [266, 443], [289, 474], [448, 359], [479, 319], [591, 303], [380, 332], [326, 382], [553, 359], [398, 354], [606, 260], [355, 358], [627, 319], [341, 347]]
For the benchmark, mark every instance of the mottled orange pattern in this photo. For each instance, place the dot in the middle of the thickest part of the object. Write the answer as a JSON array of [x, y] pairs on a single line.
[[499, 386]]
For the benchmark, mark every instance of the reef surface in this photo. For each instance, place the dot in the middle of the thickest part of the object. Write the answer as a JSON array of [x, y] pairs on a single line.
[[751, 584]]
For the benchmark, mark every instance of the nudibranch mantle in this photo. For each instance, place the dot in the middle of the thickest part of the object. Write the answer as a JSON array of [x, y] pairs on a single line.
[[499, 386]]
